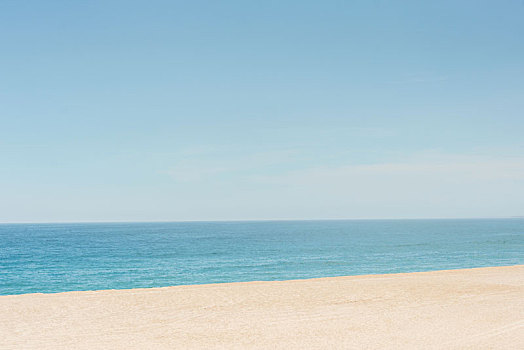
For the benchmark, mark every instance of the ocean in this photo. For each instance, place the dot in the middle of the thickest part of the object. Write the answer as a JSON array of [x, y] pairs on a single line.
[[48, 258]]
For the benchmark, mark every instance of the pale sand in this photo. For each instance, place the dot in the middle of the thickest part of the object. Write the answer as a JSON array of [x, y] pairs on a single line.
[[458, 309]]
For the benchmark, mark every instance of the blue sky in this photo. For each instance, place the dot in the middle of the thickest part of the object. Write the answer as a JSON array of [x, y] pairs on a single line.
[[208, 110]]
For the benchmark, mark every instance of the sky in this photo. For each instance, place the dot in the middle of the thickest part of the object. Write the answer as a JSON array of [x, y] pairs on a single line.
[[260, 110]]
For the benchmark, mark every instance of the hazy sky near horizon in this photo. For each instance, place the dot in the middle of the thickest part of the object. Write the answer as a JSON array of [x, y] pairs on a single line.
[[225, 110]]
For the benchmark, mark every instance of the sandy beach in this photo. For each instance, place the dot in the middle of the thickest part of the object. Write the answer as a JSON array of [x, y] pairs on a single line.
[[457, 309]]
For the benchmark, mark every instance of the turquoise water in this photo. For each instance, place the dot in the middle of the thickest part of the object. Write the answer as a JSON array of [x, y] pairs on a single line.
[[64, 257]]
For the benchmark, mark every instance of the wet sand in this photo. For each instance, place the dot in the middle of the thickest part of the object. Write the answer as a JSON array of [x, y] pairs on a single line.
[[457, 309]]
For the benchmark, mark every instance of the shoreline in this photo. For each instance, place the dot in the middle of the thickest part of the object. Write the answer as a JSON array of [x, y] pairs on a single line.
[[260, 281], [473, 308]]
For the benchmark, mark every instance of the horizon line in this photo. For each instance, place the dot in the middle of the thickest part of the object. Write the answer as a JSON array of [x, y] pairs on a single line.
[[251, 220]]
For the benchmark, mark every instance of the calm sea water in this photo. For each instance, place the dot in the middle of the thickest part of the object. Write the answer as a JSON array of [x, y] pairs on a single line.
[[65, 257]]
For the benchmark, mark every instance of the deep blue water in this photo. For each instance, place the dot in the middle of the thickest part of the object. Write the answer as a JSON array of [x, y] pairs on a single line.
[[64, 257]]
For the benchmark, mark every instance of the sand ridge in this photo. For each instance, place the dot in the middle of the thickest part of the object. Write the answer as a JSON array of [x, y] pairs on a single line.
[[456, 309]]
